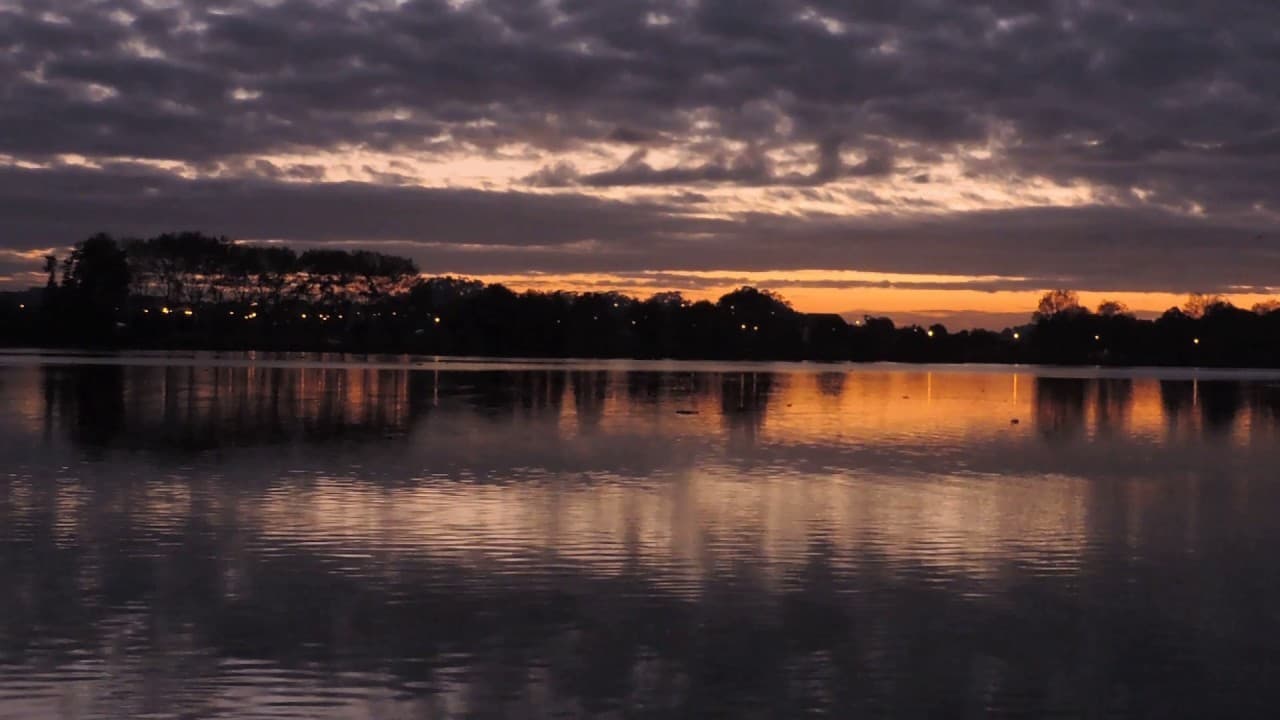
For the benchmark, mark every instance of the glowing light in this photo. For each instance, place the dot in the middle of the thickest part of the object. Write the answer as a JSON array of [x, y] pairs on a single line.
[[930, 333], [188, 312], [22, 306], [1097, 337], [1017, 336], [437, 320], [1196, 341], [165, 310], [744, 326], [303, 316]]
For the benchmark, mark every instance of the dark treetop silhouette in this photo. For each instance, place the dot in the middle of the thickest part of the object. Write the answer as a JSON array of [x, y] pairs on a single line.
[[193, 291]]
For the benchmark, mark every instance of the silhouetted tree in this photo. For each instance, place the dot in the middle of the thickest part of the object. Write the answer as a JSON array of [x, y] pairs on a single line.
[[96, 286], [1057, 302], [1112, 308], [198, 291], [1267, 306], [1198, 304], [51, 269]]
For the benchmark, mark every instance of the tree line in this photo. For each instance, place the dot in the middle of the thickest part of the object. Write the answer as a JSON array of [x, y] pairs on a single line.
[[194, 291], [1206, 331]]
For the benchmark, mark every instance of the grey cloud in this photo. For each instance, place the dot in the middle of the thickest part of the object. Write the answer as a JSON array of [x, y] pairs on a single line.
[[471, 231], [1131, 93], [560, 174], [57, 207], [1157, 104], [750, 167], [688, 281]]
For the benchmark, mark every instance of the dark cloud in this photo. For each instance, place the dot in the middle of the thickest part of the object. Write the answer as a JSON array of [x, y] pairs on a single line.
[[39, 208], [479, 232], [750, 167], [1156, 103], [1130, 93]]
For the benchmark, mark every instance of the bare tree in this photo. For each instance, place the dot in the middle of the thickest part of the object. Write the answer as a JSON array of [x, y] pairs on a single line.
[[1199, 303], [1057, 302], [1113, 308]]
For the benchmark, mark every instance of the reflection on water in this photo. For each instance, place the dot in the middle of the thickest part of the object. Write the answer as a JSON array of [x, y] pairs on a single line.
[[214, 540]]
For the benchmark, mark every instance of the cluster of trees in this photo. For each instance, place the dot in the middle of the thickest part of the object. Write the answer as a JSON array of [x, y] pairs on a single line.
[[194, 291], [1206, 331], [118, 292]]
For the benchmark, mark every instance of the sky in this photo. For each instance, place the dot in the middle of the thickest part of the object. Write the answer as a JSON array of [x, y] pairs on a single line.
[[921, 158]]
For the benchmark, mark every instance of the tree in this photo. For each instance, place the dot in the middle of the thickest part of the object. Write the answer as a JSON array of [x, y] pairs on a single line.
[[1113, 308], [1198, 304], [1057, 302], [51, 285], [669, 300], [96, 280], [1267, 307], [51, 269], [98, 272], [749, 302]]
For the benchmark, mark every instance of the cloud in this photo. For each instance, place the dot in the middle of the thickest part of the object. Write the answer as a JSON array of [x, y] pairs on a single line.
[[1132, 93], [631, 122], [750, 167], [39, 208], [474, 231]]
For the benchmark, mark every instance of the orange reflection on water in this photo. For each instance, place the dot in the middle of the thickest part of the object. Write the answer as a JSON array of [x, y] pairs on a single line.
[[673, 471]]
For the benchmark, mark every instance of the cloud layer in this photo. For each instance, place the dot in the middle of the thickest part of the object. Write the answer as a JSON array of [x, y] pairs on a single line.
[[1131, 144]]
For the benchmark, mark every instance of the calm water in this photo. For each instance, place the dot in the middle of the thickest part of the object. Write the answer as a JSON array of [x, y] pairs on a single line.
[[204, 538]]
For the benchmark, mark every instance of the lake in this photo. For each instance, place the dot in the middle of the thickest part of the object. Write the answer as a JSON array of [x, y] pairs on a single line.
[[276, 536]]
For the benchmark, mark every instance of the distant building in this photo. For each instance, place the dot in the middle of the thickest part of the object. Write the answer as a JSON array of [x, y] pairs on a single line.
[[823, 330]]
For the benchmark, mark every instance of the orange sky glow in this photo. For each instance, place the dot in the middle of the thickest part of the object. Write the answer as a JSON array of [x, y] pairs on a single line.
[[963, 308]]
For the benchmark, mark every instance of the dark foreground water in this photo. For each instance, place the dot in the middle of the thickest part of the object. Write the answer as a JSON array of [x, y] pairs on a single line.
[[229, 539]]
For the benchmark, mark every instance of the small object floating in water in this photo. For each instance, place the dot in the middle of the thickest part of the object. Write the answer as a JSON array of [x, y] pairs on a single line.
[[686, 412], [906, 397], [1014, 421]]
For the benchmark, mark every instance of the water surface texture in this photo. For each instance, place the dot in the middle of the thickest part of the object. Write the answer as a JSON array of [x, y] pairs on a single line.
[[210, 538]]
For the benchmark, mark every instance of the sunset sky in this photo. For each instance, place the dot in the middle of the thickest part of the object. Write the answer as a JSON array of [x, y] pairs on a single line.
[[918, 158]]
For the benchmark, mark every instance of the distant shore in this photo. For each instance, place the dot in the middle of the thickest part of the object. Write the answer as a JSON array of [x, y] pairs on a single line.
[[184, 292]]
